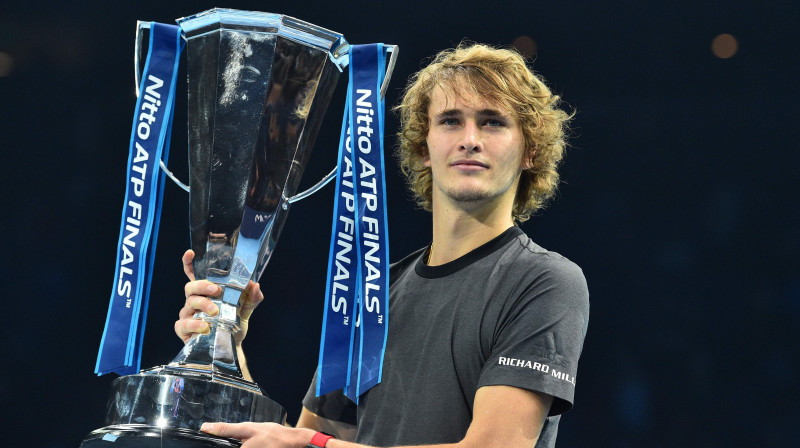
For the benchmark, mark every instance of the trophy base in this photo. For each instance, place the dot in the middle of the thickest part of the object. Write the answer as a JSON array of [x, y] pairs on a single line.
[[164, 407], [144, 436]]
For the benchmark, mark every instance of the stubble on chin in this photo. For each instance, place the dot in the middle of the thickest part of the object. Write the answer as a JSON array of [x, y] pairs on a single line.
[[476, 193], [468, 196]]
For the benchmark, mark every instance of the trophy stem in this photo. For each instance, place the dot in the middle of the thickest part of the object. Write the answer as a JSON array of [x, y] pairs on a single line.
[[214, 354]]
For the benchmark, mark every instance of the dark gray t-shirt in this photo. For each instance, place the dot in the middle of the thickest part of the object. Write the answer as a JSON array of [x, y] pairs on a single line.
[[507, 313]]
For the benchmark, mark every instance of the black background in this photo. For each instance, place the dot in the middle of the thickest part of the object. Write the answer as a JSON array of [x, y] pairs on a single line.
[[678, 201]]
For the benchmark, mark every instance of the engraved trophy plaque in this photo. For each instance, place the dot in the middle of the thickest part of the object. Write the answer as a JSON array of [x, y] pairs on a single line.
[[259, 85]]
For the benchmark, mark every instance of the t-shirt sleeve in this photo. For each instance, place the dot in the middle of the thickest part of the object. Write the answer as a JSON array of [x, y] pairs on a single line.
[[333, 406], [540, 333]]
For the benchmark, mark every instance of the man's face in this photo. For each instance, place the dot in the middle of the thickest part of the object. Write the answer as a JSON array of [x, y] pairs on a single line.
[[475, 149]]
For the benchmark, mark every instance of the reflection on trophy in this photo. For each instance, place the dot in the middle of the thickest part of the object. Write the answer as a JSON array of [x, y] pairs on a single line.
[[259, 85]]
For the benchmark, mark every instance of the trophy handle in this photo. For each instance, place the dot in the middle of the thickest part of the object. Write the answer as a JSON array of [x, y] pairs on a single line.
[[393, 50], [137, 49], [137, 79]]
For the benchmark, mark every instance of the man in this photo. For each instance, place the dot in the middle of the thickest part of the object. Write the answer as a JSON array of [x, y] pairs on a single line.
[[487, 327]]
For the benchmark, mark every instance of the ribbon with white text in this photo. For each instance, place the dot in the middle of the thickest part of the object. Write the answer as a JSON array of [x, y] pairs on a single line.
[[152, 123], [356, 315]]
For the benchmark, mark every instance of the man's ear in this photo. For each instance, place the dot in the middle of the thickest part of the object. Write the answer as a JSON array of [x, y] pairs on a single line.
[[527, 159]]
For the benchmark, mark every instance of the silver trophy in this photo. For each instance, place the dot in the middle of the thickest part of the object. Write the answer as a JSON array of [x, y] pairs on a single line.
[[259, 85]]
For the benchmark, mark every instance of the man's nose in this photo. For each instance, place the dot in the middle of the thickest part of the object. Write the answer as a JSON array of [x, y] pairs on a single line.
[[471, 138]]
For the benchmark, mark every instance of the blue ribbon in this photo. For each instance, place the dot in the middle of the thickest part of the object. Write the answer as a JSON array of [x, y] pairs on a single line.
[[340, 289], [357, 289], [152, 124]]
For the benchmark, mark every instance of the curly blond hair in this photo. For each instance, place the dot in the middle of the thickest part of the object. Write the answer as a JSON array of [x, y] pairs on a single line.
[[501, 77]]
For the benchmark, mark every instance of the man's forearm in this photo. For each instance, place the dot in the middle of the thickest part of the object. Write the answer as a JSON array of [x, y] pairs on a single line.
[[273, 435], [243, 363], [336, 443]]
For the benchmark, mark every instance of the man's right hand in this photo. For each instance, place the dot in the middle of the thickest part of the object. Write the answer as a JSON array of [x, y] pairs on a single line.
[[197, 294]]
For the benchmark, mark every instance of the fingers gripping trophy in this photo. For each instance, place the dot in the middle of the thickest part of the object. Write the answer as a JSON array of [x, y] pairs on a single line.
[[259, 85]]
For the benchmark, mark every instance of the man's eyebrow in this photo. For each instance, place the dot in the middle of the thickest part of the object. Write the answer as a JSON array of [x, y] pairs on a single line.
[[448, 113], [492, 113], [483, 112]]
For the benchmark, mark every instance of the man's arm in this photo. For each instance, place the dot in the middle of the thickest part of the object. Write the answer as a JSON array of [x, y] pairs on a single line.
[[503, 417]]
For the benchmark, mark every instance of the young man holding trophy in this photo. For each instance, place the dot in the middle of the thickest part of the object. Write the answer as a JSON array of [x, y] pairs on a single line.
[[487, 327]]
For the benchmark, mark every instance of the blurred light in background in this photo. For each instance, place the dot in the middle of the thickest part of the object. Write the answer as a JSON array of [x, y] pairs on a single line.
[[724, 46], [526, 46], [6, 64]]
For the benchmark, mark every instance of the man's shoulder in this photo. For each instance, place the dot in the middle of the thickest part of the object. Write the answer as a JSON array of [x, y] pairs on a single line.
[[403, 265], [548, 270], [527, 251]]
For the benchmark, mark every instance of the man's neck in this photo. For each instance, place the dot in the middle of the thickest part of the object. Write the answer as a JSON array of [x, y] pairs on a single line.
[[457, 231]]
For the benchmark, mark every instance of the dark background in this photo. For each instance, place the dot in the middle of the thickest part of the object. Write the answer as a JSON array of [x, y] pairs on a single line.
[[678, 201]]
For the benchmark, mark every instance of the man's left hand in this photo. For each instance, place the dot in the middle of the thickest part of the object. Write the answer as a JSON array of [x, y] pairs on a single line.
[[261, 435]]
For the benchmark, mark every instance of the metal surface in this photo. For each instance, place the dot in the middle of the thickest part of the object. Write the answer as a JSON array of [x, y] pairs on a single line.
[[394, 50], [138, 66], [169, 174], [159, 398], [145, 436], [338, 57], [214, 354], [257, 95], [391, 49], [316, 187]]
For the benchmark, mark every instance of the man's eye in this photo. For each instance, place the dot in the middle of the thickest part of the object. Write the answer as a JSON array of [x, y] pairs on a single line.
[[495, 123], [450, 121]]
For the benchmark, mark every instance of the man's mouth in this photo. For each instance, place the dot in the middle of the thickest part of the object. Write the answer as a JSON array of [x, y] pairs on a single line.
[[469, 164]]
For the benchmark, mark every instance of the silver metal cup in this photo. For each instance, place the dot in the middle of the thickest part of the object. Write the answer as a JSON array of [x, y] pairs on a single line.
[[259, 85]]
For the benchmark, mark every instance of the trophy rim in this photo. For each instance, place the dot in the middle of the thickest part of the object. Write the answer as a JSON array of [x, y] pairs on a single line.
[[286, 26], [136, 431]]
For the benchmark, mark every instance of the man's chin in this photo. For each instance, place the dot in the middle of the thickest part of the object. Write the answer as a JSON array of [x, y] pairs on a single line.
[[470, 196]]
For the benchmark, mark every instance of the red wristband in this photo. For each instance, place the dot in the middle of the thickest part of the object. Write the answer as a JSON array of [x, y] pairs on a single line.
[[319, 440]]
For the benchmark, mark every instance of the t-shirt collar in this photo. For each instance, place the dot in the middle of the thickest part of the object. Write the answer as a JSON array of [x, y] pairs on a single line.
[[425, 271]]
